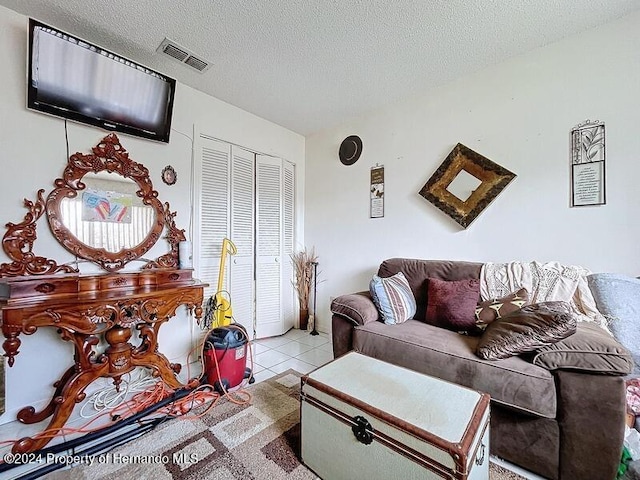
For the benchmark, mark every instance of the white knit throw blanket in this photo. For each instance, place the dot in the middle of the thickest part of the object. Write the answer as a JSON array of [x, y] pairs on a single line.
[[544, 282]]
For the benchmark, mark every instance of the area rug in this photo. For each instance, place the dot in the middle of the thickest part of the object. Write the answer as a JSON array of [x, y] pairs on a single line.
[[258, 441]]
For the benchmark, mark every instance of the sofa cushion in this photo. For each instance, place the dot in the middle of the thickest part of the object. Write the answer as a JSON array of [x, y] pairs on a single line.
[[528, 329], [431, 350], [417, 272], [451, 304], [590, 349], [487, 311], [393, 298]]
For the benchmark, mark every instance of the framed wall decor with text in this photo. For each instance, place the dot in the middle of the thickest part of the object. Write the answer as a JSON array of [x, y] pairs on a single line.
[[588, 164], [376, 208]]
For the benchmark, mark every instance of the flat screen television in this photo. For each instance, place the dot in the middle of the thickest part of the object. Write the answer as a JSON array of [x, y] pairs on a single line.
[[71, 78]]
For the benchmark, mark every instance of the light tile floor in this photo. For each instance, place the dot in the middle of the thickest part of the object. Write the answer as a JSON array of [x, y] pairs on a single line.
[[296, 349]]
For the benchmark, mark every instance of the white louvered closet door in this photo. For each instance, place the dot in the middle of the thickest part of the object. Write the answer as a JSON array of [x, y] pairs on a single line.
[[250, 199], [241, 265], [289, 301], [215, 158], [269, 312]]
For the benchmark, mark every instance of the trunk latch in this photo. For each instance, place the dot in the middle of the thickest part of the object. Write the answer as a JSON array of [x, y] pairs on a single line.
[[362, 430]]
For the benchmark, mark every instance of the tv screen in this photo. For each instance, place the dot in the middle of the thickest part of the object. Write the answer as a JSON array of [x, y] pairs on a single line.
[[74, 79]]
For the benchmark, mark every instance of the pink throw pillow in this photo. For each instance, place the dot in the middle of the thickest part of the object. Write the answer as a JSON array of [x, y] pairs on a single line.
[[452, 304]]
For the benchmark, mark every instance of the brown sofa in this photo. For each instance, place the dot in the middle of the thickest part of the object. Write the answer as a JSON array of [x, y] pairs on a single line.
[[562, 423]]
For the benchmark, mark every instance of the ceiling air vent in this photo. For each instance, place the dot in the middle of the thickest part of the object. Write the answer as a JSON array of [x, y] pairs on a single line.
[[182, 55]]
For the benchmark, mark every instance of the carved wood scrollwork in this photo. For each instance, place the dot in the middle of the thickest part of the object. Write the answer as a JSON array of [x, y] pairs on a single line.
[[18, 245], [174, 236], [124, 314], [111, 157], [108, 156]]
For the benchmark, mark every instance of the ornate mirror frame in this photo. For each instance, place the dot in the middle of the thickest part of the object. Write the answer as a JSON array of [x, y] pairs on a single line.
[[108, 156]]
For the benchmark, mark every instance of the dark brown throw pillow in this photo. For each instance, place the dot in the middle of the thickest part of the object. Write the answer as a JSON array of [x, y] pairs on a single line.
[[530, 328], [489, 310], [452, 304]]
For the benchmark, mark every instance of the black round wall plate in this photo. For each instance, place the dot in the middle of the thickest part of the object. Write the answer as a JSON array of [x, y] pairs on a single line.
[[350, 150]]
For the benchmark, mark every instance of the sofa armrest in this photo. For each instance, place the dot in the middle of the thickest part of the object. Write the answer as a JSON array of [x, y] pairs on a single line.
[[358, 308], [591, 350], [350, 311]]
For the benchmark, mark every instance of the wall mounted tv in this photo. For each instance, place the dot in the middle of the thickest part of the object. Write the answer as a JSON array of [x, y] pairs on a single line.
[[73, 79]]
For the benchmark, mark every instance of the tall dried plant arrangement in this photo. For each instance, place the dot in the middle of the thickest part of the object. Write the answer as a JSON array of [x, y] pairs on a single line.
[[303, 268]]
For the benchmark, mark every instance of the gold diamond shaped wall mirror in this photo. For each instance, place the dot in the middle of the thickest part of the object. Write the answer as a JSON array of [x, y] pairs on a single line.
[[465, 184]]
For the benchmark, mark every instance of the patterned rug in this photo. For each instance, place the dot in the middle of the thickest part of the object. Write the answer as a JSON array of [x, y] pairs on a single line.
[[235, 442]]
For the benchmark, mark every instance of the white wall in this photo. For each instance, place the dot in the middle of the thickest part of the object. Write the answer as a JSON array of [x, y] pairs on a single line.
[[518, 114], [34, 155]]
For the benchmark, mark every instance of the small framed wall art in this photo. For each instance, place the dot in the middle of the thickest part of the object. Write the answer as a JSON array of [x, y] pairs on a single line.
[[465, 184], [169, 175], [588, 164], [376, 208]]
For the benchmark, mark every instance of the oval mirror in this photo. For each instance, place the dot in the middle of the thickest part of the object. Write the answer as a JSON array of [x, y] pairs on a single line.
[[107, 213], [105, 209]]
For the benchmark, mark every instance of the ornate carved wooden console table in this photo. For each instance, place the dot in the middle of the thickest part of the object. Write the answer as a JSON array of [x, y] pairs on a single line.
[[36, 291], [84, 308]]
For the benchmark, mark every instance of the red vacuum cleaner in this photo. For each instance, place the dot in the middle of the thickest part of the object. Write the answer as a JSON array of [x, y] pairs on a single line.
[[225, 357]]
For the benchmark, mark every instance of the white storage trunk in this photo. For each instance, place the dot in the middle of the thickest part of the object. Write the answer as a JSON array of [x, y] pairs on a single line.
[[362, 418]]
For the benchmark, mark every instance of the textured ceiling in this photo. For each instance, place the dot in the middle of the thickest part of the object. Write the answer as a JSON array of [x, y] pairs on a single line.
[[312, 64]]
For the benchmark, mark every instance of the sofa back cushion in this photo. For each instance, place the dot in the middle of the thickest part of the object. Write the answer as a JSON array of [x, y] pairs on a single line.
[[417, 271]]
